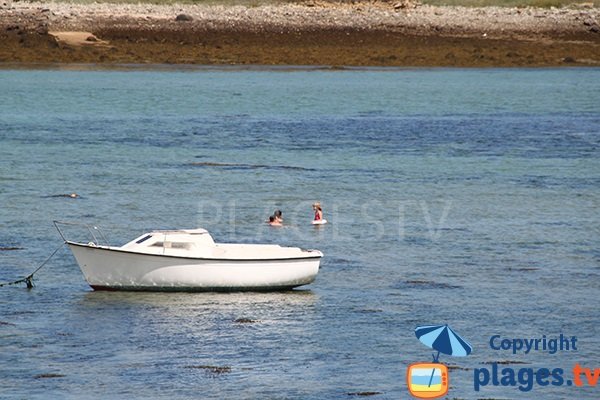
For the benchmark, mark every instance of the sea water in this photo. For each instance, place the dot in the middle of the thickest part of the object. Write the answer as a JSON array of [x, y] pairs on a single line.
[[461, 197]]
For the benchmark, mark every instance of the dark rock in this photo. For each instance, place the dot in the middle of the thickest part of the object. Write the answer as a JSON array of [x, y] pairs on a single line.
[[68, 195], [10, 248], [595, 29], [42, 29], [184, 17], [365, 394], [44, 376], [211, 368], [569, 60], [245, 321], [91, 39]]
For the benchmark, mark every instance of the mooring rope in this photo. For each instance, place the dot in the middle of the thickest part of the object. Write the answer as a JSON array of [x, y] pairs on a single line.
[[28, 280]]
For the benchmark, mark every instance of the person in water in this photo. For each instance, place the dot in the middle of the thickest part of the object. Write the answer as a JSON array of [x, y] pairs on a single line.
[[318, 211], [273, 221], [278, 216]]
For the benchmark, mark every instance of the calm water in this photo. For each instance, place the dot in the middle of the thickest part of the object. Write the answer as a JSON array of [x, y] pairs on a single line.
[[467, 197]]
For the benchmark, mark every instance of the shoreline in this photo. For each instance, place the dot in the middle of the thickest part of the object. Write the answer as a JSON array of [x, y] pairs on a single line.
[[82, 67], [363, 34]]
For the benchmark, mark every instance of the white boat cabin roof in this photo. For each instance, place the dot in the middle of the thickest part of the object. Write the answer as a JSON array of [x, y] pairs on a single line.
[[196, 231], [183, 239]]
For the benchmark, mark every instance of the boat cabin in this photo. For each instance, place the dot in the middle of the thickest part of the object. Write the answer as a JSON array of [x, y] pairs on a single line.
[[182, 242]]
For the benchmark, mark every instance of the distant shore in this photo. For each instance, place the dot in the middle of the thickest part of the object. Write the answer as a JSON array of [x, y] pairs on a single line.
[[310, 33]]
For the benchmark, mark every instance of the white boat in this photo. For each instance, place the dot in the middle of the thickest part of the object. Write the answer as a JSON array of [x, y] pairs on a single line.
[[189, 260]]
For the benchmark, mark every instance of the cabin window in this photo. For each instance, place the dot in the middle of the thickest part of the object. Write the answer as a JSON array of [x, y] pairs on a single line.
[[172, 245], [142, 240]]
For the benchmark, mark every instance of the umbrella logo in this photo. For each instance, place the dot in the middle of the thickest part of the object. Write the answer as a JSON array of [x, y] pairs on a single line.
[[431, 380]]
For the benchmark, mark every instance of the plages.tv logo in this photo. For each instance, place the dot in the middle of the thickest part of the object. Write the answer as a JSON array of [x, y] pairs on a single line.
[[430, 380]]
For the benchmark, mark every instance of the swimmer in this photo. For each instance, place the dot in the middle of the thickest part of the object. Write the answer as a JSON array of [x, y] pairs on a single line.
[[318, 211], [273, 221], [278, 216]]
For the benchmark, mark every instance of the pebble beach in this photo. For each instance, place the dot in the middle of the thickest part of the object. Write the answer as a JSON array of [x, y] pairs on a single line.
[[306, 33]]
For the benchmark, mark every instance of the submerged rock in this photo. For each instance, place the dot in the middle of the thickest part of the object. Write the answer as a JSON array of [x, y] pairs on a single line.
[[211, 368], [44, 376], [10, 248], [364, 393], [67, 195], [245, 321]]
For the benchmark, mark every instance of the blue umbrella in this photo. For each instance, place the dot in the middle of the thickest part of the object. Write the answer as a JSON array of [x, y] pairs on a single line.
[[443, 339]]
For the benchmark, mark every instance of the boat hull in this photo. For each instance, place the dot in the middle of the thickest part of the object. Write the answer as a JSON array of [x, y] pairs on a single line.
[[107, 268]]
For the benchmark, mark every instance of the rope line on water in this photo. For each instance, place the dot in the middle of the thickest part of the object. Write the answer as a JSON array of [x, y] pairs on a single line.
[[28, 280]]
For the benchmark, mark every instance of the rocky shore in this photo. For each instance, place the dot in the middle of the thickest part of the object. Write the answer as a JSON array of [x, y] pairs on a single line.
[[308, 33]]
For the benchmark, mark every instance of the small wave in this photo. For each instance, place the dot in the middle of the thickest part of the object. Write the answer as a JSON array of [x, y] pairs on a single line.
[[341, 263], [505, 362], [453, 367], [523, 269], [370, 311], [248, 166], [422, 284]]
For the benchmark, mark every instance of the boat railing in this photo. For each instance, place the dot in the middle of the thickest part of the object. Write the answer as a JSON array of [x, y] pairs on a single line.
[[93, 232]]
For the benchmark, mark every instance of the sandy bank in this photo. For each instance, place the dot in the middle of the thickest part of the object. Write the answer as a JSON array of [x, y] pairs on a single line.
[[378, 34]]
